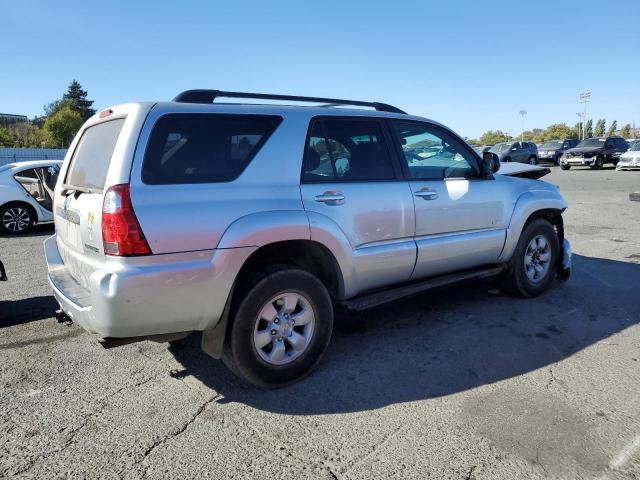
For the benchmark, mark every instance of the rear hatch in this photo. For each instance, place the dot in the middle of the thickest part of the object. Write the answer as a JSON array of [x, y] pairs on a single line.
[[80, 191]]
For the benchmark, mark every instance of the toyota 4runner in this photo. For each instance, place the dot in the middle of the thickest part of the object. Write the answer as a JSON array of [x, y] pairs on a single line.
[[250, 223]]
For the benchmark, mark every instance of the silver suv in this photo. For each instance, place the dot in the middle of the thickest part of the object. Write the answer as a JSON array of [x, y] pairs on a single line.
[[250, 223]]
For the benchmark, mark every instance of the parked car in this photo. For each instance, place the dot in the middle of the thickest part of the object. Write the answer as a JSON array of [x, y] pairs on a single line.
[[480, 149], [25, 197], [594, 152], [632, 142], [235, 220], [524, 152], [552, 150], [630, 160]]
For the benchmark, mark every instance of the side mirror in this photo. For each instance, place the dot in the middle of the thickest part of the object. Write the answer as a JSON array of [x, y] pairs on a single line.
[[490, 164]]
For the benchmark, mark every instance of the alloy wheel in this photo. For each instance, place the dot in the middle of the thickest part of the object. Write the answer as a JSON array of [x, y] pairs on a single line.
[[537, 258], [284, 328], [16, 219]]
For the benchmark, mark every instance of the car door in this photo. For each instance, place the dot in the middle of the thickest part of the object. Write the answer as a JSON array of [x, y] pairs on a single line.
[[460, 217], [352, 184], [29, 179]]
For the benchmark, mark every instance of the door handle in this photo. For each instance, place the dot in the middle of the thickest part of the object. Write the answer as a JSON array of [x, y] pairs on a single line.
[[330, 198], [427, 194]]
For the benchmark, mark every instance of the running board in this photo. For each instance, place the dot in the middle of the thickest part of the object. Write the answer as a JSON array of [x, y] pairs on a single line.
[[379, 298]]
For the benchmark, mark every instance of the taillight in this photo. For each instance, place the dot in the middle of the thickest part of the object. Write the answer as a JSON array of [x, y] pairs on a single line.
[[121, 232]]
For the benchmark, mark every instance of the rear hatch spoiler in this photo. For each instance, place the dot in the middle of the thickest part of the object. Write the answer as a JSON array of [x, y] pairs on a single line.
[[524, 170]]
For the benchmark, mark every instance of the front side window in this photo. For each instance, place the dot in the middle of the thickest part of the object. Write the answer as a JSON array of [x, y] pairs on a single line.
[[432, 153], [347, 150], [204, 148]]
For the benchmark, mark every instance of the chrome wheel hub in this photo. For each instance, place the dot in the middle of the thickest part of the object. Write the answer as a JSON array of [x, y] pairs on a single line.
[[284, 328], [537, 258], [16, 219]]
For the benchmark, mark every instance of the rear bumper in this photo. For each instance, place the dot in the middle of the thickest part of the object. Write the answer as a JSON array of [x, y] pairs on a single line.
[[152, 295]]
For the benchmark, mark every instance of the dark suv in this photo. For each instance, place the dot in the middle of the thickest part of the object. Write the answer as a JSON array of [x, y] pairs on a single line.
[[552, 150], [594, 152], [523, 152]]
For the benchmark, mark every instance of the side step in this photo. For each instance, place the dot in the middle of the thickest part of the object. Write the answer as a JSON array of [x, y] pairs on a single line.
[[379, 298]]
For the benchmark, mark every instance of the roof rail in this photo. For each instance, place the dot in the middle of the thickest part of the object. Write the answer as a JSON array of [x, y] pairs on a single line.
[[208, 96]]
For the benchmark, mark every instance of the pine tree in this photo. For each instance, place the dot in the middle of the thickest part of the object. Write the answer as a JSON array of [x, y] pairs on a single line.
[[588, 129], [612, 128], [626, 131], [77, 98], [599, 129]]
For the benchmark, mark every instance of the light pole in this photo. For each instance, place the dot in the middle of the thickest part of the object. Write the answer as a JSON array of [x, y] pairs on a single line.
[[522, 113], [585, 97], [580, 125]]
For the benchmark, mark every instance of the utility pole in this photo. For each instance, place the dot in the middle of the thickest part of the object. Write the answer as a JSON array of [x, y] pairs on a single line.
[[585, 97], [580, 125], [522, 113]]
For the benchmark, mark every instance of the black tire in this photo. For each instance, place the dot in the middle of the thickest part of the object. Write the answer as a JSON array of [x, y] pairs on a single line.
[[24, 211], [507, 159], [241, 354], [599, 162], [556, 161], [517, 281], [565, 167], [532, 160]]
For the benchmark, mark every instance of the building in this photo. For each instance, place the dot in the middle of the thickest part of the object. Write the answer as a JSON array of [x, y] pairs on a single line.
[[7, 119]]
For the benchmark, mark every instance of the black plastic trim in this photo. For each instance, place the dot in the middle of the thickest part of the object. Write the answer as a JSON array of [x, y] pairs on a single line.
[[208, 96]]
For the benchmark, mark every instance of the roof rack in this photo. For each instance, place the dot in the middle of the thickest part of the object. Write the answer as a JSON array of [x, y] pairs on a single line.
[[208, 96]]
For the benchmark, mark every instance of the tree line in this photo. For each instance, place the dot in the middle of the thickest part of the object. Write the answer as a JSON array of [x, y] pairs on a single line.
[[56, 128], [557, 131]]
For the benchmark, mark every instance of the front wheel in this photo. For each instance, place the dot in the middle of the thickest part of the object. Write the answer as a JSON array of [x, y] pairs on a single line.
[[281, 328], [599, 162], [533, 265], [565, 167], [533, 160]]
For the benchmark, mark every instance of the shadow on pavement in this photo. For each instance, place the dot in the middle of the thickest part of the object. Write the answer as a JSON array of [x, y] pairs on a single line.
[[45, 229], [446, 342], [15, 312]]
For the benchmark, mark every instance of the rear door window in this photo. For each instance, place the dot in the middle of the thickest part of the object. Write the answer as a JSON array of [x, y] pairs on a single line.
[[204, 148], [91, 159], [348, 150]]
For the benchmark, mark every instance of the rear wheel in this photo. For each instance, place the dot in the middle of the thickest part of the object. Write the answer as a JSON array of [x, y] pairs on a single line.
[[281, 328], [532, 267], [16, 218]]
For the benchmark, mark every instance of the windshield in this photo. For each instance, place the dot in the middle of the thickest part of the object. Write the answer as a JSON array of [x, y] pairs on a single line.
[[501, 147], [592, 142], [552, 144]]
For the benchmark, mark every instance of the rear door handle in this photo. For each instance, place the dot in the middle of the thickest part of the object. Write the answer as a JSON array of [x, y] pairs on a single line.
[[426, 194], [330, 198]]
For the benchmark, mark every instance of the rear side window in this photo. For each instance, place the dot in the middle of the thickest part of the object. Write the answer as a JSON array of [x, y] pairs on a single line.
[[348, 150], [91, 159], [204, 148]]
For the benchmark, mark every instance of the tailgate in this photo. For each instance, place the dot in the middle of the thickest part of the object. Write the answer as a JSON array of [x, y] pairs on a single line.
[[79, 197]]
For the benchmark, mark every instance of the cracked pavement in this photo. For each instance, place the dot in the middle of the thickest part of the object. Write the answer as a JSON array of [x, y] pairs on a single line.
[[454, 384]]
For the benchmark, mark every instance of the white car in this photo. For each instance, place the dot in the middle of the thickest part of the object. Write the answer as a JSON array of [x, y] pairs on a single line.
[[25, 194], [630, 160]]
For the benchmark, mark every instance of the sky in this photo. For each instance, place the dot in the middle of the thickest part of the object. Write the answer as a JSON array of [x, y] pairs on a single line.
[[471, 65]]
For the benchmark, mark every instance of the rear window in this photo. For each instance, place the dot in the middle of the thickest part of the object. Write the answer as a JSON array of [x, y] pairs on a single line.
[[204, 148], [91, 159]]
